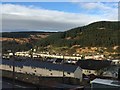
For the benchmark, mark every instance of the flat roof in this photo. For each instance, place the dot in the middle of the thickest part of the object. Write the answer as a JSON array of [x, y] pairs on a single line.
[[107, 82]]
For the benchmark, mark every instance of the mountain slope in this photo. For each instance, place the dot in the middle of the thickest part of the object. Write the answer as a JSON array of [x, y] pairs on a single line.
[[101, 34]]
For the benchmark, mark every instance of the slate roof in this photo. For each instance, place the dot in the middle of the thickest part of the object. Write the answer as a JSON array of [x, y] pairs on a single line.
[[9, 62], [41, 64], [93, 64]]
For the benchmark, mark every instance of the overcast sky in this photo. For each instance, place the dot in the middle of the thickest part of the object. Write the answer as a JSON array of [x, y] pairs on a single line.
[[55, 16]]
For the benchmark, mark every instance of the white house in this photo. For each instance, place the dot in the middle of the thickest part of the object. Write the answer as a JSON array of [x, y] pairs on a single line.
[[90, 66], [116, 61], [40, 68]]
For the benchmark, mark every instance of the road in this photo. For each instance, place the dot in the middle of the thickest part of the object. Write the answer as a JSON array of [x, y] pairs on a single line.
[[7, 84]]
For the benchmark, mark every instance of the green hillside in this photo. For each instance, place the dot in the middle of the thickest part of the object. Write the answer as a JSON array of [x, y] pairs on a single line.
[[102, 34]]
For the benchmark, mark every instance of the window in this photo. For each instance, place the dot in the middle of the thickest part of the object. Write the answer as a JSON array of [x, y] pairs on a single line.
[[50, 70], [10, 66], [35, 71], [68, 73], [33, 68], [51, 74]]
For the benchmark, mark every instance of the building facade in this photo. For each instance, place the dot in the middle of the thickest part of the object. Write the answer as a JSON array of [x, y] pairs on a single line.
[[40, 68]]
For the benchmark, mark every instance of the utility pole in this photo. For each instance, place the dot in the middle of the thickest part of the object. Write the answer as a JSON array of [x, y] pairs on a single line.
[[63, 69], [13, 74]]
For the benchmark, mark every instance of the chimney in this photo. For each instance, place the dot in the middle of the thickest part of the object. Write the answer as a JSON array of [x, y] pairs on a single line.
[[119, 74]]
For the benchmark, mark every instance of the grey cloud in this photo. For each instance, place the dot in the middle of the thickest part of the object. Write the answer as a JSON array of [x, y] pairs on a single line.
[[21, 23]]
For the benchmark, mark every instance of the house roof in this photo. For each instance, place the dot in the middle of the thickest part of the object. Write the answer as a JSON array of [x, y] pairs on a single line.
[[41, 64], [10, 62], [93, 64], [106, 82]]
